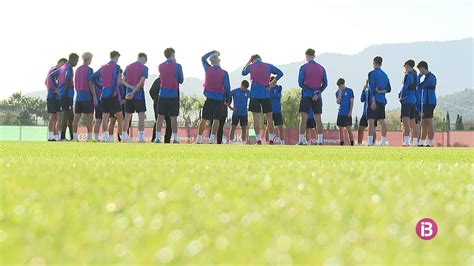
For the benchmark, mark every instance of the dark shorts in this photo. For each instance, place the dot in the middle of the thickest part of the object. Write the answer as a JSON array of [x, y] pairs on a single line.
[[54, 105], [135, 106], [66, 103], [310, 123], [307, 103], [408, 110], [98, 110], [344, 121], [260, 105], [417, 117], [110, 105], [84, 107], [242, 119], [378, 113], [168, 106], [277, 119], [212, 109], [428, 110], [363, 121]]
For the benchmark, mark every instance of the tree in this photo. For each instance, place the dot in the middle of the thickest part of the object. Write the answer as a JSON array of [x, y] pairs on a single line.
[[459, 125], [448, 121], [190, 110], [328, 126], [23, 110], [290, 107], [439, 121], [392, 119]]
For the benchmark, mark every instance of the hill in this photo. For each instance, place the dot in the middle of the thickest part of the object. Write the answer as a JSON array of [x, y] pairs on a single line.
[[461, 103]]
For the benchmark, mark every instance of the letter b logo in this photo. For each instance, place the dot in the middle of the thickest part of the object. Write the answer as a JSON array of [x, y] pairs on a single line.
[[426, 229]]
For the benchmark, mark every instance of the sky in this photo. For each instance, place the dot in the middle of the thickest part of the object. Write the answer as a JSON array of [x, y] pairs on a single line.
[[35, 34]]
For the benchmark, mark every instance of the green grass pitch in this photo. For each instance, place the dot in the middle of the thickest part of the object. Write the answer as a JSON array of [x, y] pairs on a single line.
[[95, 203]]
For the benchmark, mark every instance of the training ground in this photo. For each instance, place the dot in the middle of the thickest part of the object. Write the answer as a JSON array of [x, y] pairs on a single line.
[[103, 203]]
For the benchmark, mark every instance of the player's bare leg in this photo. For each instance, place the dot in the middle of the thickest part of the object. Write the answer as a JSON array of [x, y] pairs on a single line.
[[52, 132], [75, 124], [159, 125], [97, 124], [414, 132], [201, 127], [383, 126], [89, 117], [105, 127], [281, 131], [256, 127], [371, 138], [126, 124], [351, 136], [141, 127], [174, 128], [360, 135], [215, 127], [319, 128], [406, 131], [244, 134], [341, 136], [302, 136], [271, 128], [232, 133]]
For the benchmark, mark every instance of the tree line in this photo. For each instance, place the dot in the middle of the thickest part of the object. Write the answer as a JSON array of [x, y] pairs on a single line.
[[19, 109]]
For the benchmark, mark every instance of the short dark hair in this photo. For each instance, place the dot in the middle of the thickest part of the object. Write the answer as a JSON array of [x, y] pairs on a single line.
[[410, 63], [378, 60], [422, 64], [245, 83], [340, 81], [62, 60], [310, 52], [140, 55], [169, 52], [114, 54], [255, 56], [73, 56]]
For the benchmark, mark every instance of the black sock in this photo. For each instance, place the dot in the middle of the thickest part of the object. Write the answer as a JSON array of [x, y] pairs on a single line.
[[70, 134], [63, 135], [352, 143], [342, 143]]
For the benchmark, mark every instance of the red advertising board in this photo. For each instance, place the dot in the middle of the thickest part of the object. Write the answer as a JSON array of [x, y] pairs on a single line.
[[331, 137]]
